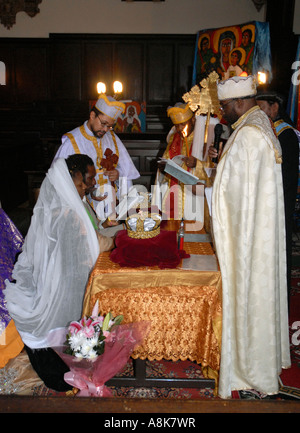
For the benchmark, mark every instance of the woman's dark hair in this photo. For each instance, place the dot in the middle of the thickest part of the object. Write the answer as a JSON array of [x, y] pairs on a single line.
[[78, 163]]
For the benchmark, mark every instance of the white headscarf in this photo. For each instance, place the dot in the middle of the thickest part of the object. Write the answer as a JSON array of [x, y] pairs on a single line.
[[59, 252]]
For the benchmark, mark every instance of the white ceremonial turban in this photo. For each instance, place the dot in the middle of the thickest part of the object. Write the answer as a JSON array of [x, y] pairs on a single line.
[[110, 107], [237, 87]]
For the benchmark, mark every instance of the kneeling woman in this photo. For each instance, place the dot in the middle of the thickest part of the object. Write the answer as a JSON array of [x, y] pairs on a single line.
[[51, 273]]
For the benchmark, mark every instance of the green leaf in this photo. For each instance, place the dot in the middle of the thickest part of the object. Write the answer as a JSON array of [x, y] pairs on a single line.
[[118, 319]]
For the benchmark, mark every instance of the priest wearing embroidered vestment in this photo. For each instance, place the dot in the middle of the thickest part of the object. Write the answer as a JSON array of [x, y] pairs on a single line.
[[172, 197], [93, 138], [249, 232]]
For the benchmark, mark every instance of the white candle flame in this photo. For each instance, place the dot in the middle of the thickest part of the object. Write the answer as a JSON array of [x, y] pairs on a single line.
[[184, 131], [101, 87], [118, 87]]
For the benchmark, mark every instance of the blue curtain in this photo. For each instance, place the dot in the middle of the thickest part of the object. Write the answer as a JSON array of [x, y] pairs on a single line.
[[262, 59]]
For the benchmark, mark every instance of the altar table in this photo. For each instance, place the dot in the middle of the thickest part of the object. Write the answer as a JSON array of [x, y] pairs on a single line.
[[184, 307]]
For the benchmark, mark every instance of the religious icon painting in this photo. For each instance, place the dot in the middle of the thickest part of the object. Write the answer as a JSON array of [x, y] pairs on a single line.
[[134, 118], [231, 51]]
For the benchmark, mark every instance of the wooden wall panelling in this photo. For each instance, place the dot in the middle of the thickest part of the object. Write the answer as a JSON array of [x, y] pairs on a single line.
[[66, 64], [7, 91], [160, 83], [160, 76], [154, 68], [184, 68], [31, 71], [97, 66], [128, 67], [144, 153], [18, 154], [50, 82], [169, 76]]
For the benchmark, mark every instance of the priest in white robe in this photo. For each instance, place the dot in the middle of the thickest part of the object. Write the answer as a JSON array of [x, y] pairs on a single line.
[[249, 234], [94, 138]]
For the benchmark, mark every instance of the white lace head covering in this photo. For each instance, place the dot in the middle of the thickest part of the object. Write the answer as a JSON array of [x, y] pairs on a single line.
[[59, 252], [237, 87]]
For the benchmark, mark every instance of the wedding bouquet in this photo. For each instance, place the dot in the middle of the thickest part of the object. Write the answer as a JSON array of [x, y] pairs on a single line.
[[96, 349], [86, 338]]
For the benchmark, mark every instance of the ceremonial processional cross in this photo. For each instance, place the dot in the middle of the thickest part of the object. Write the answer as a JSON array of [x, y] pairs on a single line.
[[204, 99]]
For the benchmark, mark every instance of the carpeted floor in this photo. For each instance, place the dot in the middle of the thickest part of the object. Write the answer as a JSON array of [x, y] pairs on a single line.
[[290, 378], [155, 369]]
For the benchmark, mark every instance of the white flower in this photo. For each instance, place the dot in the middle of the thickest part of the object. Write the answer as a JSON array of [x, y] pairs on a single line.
[[94, 340], [92, 354], [76, 340], [78, 355], [85, 349]]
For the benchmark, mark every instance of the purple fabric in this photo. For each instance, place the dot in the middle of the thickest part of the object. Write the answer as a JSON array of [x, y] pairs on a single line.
[[11, 242]]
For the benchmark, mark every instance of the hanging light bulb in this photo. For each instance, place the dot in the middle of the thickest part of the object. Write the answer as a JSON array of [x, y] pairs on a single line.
[[101, 87]]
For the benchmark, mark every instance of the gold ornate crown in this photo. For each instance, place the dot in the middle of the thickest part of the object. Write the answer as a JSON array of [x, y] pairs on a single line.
[[143, 225]]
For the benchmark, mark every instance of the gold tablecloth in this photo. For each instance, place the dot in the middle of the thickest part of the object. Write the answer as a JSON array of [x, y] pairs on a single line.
[[184, 307]]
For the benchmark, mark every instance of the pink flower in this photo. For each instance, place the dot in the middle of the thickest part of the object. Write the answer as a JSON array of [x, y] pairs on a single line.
[[89, 331], [106, 334], [110, 336], [83, 321], [98, 321], [88, 322], [75, 327], [95, 310]]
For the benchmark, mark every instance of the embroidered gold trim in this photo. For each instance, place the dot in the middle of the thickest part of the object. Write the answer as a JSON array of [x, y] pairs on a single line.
[[99, 152], [279, 122], [180, 114], [73, 142]]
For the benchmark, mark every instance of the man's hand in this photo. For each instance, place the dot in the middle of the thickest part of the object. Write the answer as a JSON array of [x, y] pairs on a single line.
[[98, 198], [109, 223], [212, 152], [190, 161], [112, 175]]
